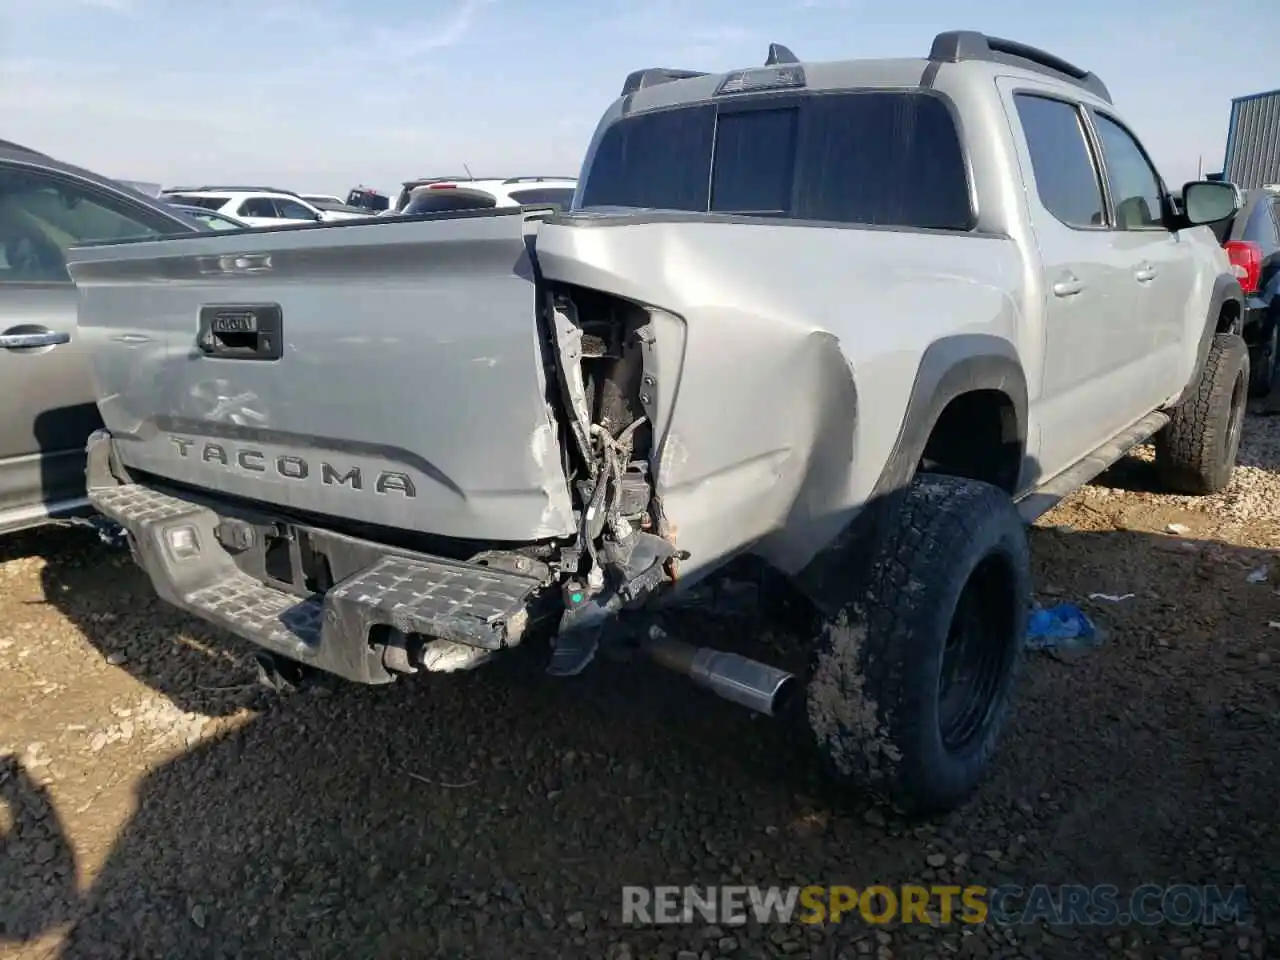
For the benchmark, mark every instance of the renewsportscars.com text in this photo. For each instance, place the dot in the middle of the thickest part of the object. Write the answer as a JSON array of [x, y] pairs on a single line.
[[1065, 904]]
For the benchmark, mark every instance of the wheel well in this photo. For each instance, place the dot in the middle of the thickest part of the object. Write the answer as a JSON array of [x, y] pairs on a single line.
[[977, 437], [1229, 317]]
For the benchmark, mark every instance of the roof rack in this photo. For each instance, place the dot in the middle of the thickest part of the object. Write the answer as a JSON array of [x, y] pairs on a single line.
[[534, 179], [954, 46], [230, 186]]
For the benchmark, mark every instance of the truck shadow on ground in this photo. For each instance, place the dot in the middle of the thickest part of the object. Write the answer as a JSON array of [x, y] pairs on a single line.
[[498, 814]]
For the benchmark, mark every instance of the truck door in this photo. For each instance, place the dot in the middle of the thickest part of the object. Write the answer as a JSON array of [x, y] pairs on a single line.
[[1077, 273], [1156, 282]]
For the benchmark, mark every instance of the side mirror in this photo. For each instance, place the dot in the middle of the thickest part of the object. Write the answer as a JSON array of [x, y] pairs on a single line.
[[1207, 201]]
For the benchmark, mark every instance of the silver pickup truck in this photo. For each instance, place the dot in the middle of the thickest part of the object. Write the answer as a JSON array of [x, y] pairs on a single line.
[[862, 320]]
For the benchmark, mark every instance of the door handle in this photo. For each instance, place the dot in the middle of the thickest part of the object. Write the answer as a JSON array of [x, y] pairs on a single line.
[[25, 341], [1068, 286], [1144, 273]]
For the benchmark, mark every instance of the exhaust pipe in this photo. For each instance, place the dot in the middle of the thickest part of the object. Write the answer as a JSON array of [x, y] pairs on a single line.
[[749, 683]]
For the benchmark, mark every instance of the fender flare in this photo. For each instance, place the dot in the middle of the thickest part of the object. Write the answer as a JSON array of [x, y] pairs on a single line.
[[1226, 289], [948, 368]]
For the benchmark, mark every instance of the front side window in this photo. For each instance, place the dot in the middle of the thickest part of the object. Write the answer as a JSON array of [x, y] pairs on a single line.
[[1135, 187], [885, 158], [1065, 178], [42, 215]]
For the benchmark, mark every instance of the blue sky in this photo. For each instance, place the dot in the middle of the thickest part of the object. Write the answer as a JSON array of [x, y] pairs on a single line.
[[323, 94]]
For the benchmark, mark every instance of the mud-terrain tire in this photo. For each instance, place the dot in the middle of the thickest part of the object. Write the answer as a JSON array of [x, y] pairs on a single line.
[[1262, 359], [951, 578], [1196, 452]]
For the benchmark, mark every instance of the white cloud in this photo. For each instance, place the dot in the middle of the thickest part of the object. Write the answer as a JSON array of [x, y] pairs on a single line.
[[411, 39]]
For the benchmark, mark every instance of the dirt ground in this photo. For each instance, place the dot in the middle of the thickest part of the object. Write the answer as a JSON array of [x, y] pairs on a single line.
[[154, 802]]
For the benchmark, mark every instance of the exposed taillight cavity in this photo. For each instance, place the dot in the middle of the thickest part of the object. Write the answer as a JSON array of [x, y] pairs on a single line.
[[1246, 263]]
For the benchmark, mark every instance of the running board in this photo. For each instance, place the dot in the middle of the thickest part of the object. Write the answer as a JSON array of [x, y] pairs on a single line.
[[1049, 494]]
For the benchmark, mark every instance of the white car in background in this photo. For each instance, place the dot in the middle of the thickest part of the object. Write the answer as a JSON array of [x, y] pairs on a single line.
[[437, 194], [256, 206]]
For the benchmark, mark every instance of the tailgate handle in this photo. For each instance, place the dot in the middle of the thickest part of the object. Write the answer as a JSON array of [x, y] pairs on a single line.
[[239, 331]]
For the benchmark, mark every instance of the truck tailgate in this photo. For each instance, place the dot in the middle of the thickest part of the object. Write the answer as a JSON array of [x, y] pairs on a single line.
[[386, 372]]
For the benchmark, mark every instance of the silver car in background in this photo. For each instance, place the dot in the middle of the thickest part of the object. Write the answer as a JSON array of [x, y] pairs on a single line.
[[47, 206]]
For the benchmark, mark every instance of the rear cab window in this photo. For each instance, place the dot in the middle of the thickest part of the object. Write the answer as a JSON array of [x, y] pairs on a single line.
[[865, 157]]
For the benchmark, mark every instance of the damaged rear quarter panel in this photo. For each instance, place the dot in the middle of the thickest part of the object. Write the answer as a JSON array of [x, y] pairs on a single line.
[[801, 345]]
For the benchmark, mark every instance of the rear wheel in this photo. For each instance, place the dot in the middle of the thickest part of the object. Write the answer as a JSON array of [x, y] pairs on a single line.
[[1196, 452], [912, 683]]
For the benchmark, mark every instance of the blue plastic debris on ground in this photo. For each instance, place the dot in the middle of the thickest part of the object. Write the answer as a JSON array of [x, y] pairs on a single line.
[[1061, 627]]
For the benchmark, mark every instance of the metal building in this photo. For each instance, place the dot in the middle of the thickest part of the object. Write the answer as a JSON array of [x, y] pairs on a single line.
[[1253, 141]]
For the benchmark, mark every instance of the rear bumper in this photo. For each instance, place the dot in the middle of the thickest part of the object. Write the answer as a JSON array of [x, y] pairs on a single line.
[[376, 592]]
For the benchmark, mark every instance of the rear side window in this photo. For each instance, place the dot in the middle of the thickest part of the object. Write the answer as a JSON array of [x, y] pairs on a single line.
[[1066, 180], [261, 207], [882, 157], [293, 210]]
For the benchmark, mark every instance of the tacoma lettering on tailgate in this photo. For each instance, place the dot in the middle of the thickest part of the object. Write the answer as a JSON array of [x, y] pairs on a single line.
[[247, 460]]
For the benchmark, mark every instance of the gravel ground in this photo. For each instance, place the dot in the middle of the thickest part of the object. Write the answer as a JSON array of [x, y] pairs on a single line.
[[155, 802]]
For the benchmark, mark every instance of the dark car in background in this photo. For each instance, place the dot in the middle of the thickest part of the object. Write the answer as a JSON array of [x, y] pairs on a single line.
[[369, 199], [1252, 241], [49, 411]]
